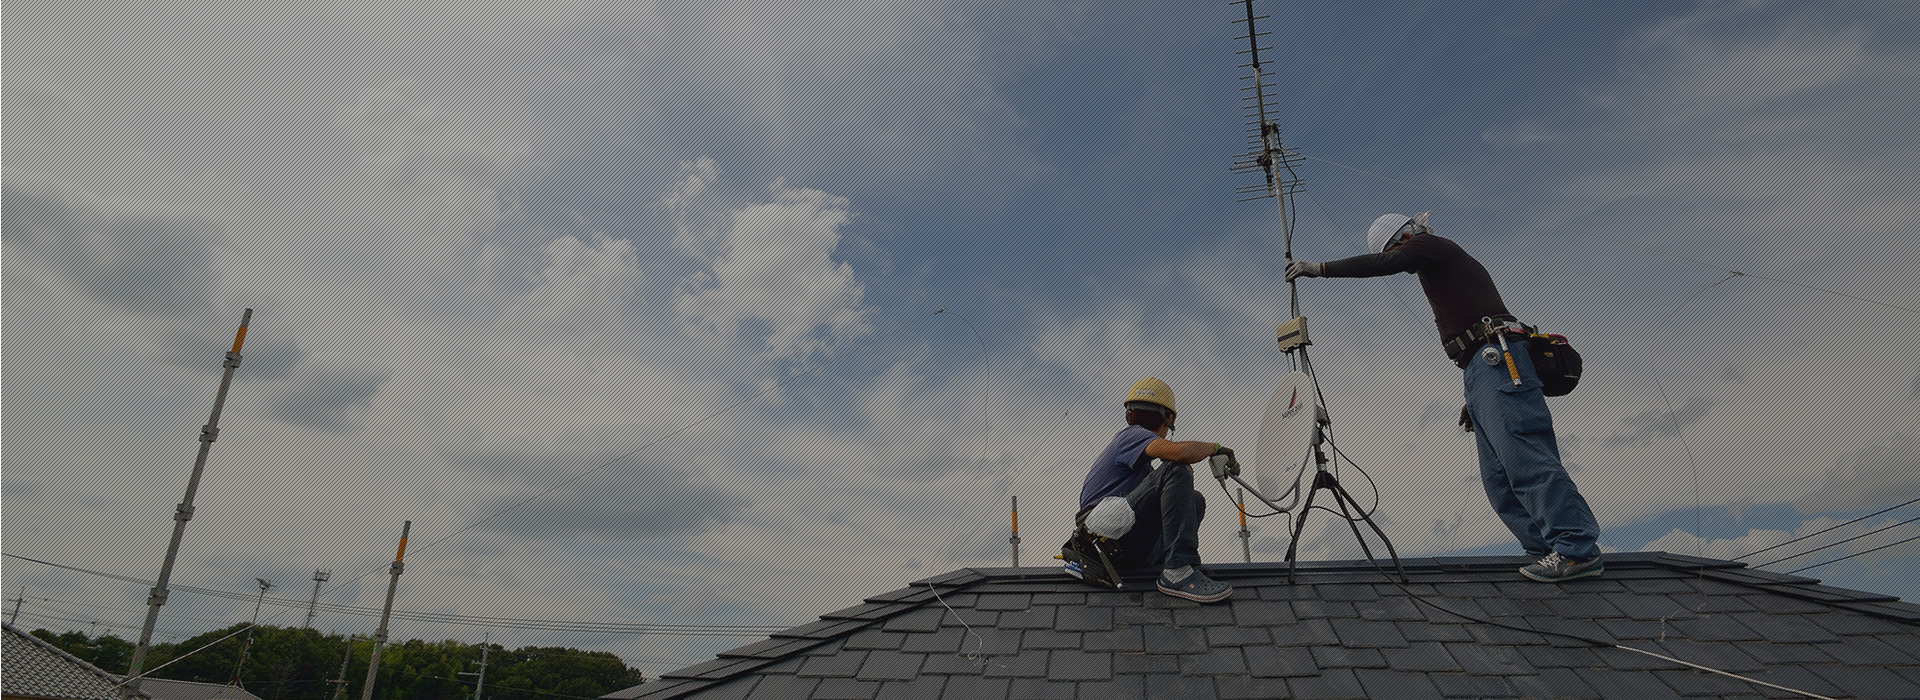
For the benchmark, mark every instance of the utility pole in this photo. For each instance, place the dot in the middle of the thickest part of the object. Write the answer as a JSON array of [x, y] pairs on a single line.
[[320, 576], [480, 685], [380, 635], [184, 512], [251, 626], [341, 682]]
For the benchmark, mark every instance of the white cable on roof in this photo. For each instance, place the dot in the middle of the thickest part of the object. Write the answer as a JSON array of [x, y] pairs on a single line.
[[1723, 673]]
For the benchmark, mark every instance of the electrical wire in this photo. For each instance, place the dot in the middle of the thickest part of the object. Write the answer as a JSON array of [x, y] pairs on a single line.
[[1830, 529], [450, 618], [1838, 543], [1855, 554]]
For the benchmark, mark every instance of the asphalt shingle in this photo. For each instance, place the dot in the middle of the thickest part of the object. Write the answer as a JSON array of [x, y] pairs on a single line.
[[1333, 684], [1172, 686], [1622, 685], [1344, 657], [1279, 662], [1343, 632], [1246, 688], [1382, 683], [1175, 640], [1075, 665], [1217, 662]]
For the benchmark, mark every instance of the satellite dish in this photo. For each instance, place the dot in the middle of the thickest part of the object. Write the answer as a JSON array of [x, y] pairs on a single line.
[[1286, 436]]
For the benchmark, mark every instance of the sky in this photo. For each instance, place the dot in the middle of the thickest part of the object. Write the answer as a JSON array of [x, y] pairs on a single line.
[[725, 314]]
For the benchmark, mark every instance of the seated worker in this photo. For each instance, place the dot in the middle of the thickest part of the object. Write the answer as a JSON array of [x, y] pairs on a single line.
[[1166, 509]]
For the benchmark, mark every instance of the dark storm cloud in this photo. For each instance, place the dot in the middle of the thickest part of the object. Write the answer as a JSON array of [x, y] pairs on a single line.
[[143, 264], [324, 398], [1659, 423]]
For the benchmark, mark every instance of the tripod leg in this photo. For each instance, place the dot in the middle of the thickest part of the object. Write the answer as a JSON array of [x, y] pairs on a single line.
[[1340, 498], [1341, 493], [1293, 544]]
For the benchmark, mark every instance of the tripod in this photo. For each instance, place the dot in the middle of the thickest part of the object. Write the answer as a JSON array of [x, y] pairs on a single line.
[[1325, 480]]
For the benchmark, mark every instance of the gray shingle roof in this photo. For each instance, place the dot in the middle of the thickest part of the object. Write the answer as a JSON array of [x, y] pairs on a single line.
[[169, 689], [1345, 631], [34, 668]]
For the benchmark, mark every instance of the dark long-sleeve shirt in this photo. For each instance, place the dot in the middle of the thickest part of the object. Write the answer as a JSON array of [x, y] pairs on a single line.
[[1457, 286]]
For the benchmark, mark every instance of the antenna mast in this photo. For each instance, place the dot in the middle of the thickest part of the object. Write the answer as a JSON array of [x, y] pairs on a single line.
[[1267, 153]]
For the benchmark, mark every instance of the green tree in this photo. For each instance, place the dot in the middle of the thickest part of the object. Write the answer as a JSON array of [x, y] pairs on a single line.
[[107, 652], [297, 664]]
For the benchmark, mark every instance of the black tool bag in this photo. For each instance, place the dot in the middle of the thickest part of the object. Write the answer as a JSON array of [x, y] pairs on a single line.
[[1094, 553], [1556, 362]]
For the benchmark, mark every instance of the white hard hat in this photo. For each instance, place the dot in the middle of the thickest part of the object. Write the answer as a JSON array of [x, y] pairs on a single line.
[[1383, 229], [1381, 233]]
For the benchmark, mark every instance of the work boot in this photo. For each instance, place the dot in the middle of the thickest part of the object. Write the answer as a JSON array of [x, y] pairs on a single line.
[[1195, 587], [1557, 567]]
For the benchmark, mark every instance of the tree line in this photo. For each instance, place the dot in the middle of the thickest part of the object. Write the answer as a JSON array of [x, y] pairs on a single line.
[[299, 664]]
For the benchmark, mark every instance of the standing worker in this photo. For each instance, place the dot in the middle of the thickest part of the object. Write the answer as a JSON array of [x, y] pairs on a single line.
[[1519, 457], [1166, 509]]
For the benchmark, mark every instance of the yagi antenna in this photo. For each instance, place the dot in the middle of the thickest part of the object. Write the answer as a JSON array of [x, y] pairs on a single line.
[[1267, 152], [1294, 431]]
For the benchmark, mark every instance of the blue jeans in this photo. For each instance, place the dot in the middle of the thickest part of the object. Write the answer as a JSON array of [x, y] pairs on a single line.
[[1166, 521], [1520, 459]]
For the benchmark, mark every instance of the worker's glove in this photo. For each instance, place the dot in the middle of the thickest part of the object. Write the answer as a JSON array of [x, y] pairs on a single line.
[[1302, 268], [1223, 462]]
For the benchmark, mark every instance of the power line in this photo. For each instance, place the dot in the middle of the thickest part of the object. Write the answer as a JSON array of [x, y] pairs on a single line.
[[456, 619], [1855, 554], [1838, 543], [1830, 529]]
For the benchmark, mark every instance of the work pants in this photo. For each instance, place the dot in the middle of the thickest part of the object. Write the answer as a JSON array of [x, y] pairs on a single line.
[[1166, 521], [1520, 459]]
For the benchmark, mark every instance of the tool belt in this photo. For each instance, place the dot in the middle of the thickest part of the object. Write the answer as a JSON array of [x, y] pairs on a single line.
[[1460, 347], [1555, 362]]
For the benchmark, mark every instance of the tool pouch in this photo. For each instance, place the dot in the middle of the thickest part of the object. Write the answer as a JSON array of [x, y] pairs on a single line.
[[1557, 363], [1094, 554]]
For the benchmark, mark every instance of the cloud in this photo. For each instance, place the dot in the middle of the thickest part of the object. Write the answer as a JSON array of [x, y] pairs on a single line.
[[1867, 477], [325, 398], [140, 263], [1656, 424], [771, 273], [638, 498]]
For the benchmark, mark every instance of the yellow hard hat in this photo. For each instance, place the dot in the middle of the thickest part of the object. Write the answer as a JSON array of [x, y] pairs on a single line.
[[1152, 391]]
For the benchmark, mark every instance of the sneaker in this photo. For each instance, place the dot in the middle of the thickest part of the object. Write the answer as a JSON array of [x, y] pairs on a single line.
[[1556, 567], [1195, 587]]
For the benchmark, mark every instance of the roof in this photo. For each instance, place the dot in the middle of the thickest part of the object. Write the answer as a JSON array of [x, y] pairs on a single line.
[[169, 689], [1345, 631], [34, 668]]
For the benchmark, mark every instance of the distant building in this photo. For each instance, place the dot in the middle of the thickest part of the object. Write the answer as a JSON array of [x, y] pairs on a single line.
[[36, 670]]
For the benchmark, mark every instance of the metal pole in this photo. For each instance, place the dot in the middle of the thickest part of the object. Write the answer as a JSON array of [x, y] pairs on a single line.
[[320, 576], [341, 682], [480, 685], [380, 635], [251, 626], [1246, 536], [1015, 539], [15, 618], [157, 596]]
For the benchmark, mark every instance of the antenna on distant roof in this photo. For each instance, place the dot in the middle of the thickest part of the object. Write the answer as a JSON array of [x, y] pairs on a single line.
[[1296, 425]]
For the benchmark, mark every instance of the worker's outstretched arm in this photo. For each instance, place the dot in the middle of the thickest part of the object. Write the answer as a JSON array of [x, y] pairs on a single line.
[[1181, 452]]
